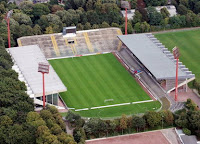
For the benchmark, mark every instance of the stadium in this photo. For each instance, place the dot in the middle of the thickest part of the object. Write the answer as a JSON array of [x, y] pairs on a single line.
[[100, 72]]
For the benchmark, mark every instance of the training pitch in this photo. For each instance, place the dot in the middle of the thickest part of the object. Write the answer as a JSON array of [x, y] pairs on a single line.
[[188, 43], [100, 80]]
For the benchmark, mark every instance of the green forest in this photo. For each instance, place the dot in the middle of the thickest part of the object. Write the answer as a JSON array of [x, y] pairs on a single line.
[[18, 121]]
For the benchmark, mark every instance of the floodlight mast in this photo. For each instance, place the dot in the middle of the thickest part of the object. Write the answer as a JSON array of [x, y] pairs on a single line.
[[126, 5], [8, 15], [176, 54], [126, 22], [43, 68]]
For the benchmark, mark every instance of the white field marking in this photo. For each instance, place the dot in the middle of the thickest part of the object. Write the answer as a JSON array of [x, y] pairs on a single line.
[[82, 109], [110, 105], [77, 55], [71, 108], [114, 105], [142, 101]]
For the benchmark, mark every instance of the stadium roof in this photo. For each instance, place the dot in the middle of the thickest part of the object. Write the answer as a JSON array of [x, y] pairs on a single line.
[[27, 59], [154, 56]]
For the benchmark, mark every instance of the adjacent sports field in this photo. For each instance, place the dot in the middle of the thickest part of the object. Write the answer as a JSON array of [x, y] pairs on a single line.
[[189, 44], [100, 80]]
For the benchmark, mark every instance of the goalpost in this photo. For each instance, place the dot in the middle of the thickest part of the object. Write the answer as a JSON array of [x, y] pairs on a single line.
[[108, 100]]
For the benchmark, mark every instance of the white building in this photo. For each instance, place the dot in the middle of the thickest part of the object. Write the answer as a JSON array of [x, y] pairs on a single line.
[[171, 9]]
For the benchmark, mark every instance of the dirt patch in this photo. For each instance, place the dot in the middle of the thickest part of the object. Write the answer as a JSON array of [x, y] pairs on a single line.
[[155, 137], [183, 96]]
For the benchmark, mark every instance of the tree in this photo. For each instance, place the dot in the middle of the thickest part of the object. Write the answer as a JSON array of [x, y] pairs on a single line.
[[27, 7], [66, 17], [95, 26], [92, 17], [56, 129], [22, 18], [39, 10], [144, 27], [153, 118], [137, 27], [92, 127], [56, 8], [37, 30], [164, 12], [154, 16], [73, 118], [182, 121], [184, 2], [123, 123], [55, 22], [25, 30], [79, 135], [133, 4], [87, 26], [140, 4], [53, 2], [182, 10], [49, 30], [5, 121], [137, 17], [115, 25], [197, 7], [79, 26], [156, 2], [193, 119], [144, 14], [16, 134], [138, 122], [34, 119], [190, 105], [174, 22], [89, 5], [79, 3], [191, 19], [104, 25], [164, 22], [65, 138], [43, 135], [168, 117], [2, 9]]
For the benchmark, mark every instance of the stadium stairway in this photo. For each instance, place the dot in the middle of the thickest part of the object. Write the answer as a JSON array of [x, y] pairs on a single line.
[[148, 80], [85, 42]]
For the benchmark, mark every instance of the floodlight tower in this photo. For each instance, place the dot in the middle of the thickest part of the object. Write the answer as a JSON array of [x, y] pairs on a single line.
[[176, 54], [8, 15], [43, 68], [126, 5]]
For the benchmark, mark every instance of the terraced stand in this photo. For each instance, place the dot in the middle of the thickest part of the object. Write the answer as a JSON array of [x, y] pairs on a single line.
[[85, 42]]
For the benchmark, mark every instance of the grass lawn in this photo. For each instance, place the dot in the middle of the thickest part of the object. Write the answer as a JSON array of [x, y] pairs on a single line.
[[189, 44], [92, 79]]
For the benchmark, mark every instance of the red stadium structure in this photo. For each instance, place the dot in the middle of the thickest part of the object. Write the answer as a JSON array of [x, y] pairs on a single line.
[[8, 15], [126, 5], [43, 68], [176, 54]]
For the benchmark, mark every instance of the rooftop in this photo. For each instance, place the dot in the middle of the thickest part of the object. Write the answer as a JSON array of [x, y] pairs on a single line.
[[154, 56], [171, 9], [26, 59]]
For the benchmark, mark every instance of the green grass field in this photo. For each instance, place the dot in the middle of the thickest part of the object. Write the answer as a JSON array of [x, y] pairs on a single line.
[[189, 44], [92, 79]]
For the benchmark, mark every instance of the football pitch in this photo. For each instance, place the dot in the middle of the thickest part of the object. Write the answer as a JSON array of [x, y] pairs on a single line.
[[189, 45], [100, 80]]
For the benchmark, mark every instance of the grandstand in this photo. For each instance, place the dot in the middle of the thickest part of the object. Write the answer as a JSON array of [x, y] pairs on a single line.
[[26, 59], [156, 60], [84, 42]]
